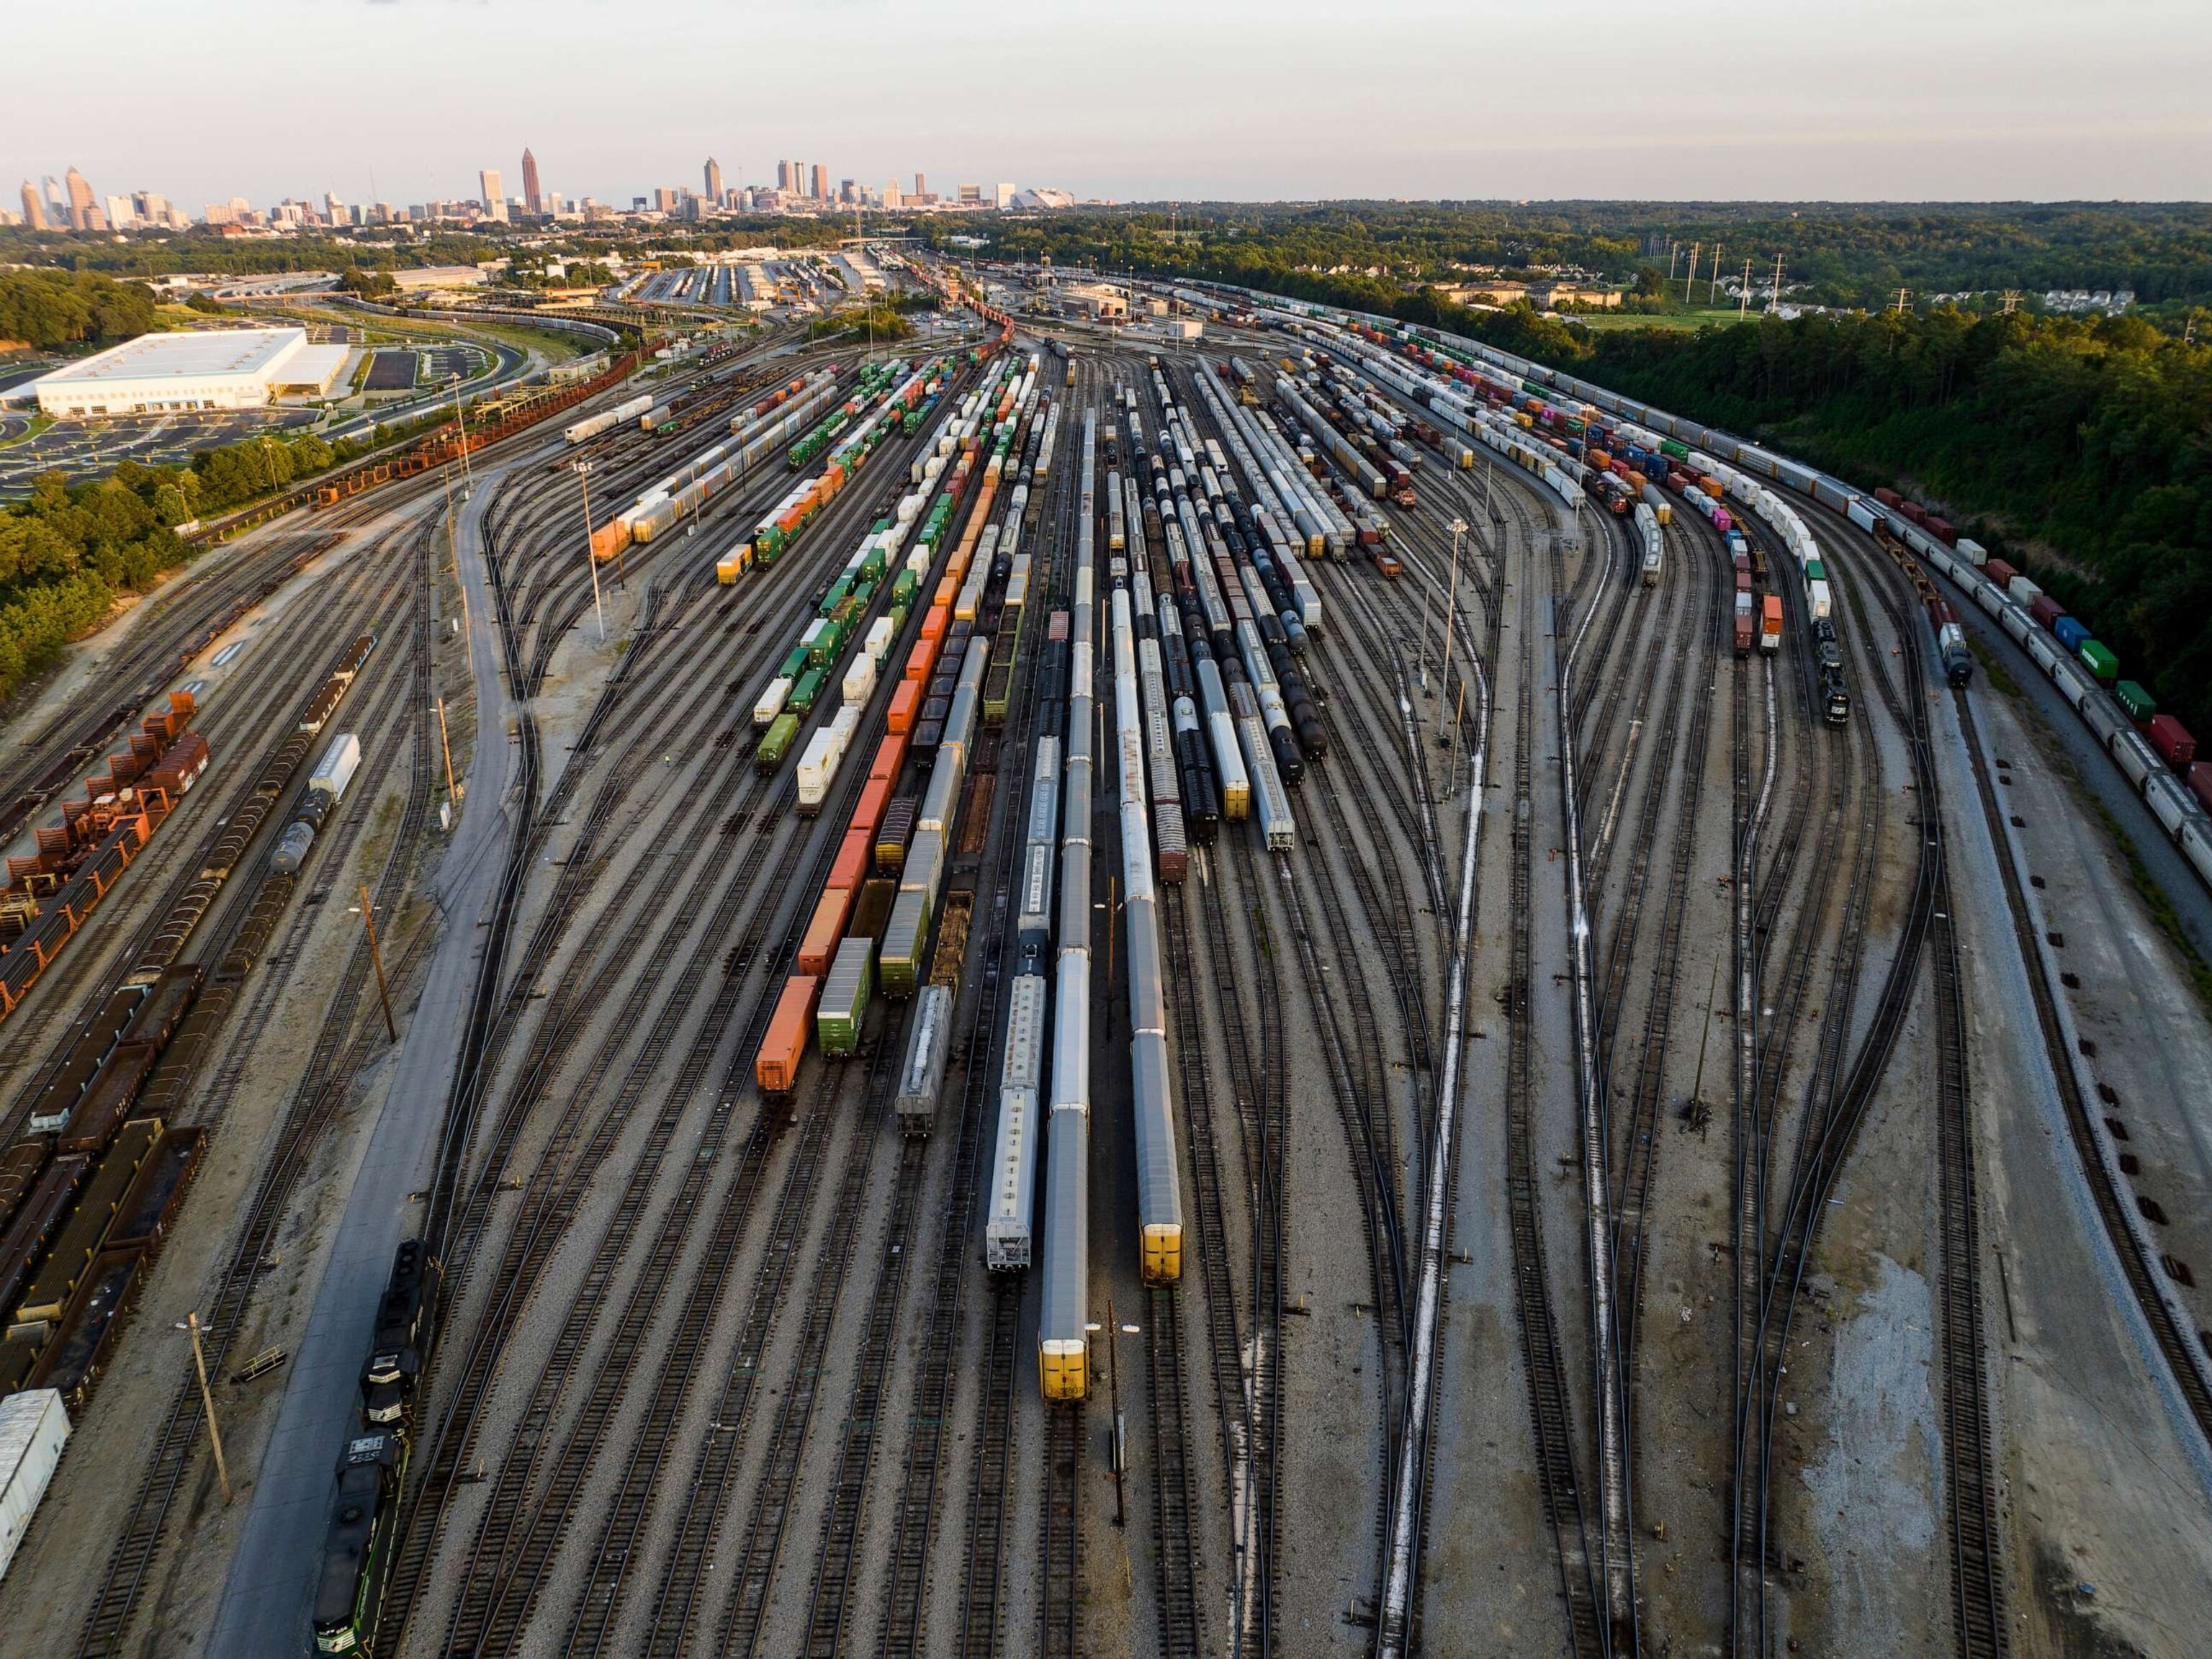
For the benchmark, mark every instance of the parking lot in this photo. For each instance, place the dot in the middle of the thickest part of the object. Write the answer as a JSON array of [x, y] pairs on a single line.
[[84, 449]]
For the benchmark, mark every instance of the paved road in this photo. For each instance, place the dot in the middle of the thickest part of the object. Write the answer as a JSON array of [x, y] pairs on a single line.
[[268, 1599], [2101, 774]]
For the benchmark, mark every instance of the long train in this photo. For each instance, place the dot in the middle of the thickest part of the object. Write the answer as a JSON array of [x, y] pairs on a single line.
[[2170, 800]]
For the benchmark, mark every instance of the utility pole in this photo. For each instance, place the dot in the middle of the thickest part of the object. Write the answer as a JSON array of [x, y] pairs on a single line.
[[1690, 281], [1673, 257], [376, 957], [1743, 295], [2012, 304], [453, 789], [1775, 303], [1903, 302], [591, 559], [1713, 277], [207, 1405]]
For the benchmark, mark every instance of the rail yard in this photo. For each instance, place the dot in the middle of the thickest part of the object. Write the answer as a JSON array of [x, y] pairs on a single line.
[[1303, 990]]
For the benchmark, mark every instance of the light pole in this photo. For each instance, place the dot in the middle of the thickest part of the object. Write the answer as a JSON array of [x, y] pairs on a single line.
[[1451, 618], [591, 558], [468, 473]]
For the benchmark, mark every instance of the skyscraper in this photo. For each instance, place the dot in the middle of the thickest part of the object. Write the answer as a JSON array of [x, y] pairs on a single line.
[[58, 213], [34, 211], [81, 209], [920, 187], [489, 193], [711, 176], [532, 192], [783, 177], [821, 182]]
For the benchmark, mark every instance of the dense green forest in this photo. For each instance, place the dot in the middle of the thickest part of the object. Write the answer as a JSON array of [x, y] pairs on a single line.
[[54, 308], [2082, 449], [68, 551]]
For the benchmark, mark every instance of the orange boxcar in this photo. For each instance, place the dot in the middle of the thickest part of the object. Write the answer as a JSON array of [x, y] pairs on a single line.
[[934, 622], [889, 753], [819, 943], [777, 1068], [904, 700], [853, 855], [869, 812]]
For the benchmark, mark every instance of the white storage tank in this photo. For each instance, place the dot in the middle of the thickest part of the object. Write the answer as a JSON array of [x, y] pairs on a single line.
[[34, 1426]]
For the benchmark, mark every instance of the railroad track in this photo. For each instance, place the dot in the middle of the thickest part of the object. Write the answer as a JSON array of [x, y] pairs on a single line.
[[1059, 1633], [1551, 1409], [914, 1527], [342, 1046]]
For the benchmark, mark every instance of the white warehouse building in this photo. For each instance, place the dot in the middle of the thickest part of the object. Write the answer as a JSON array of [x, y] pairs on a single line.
[[214, 368]]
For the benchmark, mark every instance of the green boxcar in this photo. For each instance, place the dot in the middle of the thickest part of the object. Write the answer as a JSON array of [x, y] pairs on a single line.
[[844, 1003], [2098, 659], [777, 742], [808, 690], [1668, 446], [2139, 703], [904, 937], [1815, 571], [795, 664]]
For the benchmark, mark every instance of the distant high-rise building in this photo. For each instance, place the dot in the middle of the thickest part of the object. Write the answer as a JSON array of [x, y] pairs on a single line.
[[81, 209], [920, 187], [34, 211], [711, 176], [1005, 195], [971, 195], [335, 210], [118, 211], [783, 175], [151, 206], [891, 196], [533, 193], [821, 182], [58, 213], [849, 191], [489, 193]]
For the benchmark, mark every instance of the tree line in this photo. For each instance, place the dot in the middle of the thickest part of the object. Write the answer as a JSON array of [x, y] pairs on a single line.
[[52, 309], [70, 550]]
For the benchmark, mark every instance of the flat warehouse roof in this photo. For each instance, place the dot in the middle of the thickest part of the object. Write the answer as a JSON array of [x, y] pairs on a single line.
[[315, 366], [197, 354]]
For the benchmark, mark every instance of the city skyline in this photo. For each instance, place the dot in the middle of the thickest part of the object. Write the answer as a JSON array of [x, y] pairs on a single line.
[[1860, 107]]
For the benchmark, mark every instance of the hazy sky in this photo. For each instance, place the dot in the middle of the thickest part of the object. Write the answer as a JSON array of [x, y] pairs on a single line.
[[1895, 99]]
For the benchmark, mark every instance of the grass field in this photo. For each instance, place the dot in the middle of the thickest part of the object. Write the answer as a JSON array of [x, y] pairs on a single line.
[[1680, 321]]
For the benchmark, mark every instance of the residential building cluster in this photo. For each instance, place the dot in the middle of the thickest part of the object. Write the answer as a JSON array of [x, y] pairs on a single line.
[[799, 187]]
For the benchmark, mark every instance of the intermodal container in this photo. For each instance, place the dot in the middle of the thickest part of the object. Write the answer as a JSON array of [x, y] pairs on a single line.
[[2097, 657], [2045, 611], [2000, 572], [2171, 738], [2200, 783], [2139, 703], [2070, 631]]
